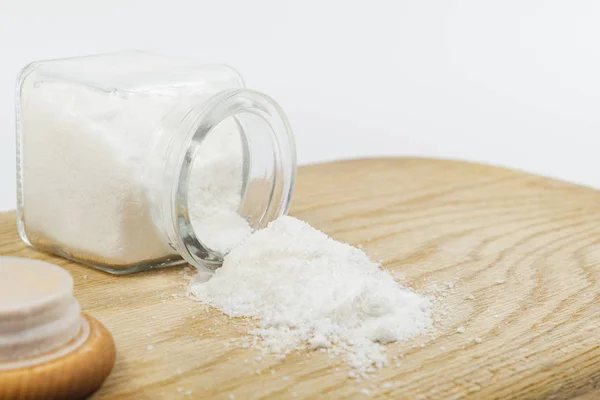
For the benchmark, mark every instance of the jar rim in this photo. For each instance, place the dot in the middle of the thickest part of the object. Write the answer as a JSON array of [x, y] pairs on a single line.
[[218, 108]]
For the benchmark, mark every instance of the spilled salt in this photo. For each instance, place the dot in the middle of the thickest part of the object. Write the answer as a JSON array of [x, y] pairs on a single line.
[[304, 288]]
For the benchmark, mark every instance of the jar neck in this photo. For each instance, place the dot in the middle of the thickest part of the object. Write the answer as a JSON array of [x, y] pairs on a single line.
[[267, 168]]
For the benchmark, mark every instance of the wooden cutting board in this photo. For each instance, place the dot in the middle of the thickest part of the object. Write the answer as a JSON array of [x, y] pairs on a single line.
[[526, 248]]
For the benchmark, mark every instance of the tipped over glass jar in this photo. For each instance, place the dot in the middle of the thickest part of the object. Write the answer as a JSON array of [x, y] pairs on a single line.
[[130, 161]]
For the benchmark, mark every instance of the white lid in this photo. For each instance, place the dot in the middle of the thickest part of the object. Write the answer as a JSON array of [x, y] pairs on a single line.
[[38, 312]]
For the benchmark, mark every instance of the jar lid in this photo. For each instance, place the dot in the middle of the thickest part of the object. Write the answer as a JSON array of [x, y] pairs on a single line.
[[48, 349], [38, 312]]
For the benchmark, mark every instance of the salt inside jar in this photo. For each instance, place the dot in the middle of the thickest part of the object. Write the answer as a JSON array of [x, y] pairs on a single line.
[[130, 161]]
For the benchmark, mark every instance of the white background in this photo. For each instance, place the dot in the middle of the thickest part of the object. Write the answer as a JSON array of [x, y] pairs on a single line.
[[514, 83]]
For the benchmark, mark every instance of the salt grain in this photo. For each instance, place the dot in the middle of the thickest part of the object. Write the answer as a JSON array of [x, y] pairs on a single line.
[[461, 329]]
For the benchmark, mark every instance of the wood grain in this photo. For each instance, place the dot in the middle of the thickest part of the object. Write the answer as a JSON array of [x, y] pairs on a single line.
[[74, 376], [526, 248]]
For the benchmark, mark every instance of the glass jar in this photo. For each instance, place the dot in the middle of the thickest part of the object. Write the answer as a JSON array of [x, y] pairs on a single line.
[[130, 161]]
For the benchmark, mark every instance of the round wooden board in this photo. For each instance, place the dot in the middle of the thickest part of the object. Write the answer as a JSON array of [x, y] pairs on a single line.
[[75, 375], [521, 252]]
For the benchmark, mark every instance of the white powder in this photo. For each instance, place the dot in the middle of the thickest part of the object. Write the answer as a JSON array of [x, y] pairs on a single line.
[[215, 189], [82, 186], [307, 290], [86, 182]]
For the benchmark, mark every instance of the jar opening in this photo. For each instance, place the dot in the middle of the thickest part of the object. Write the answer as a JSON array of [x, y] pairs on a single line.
[[236, 174]]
